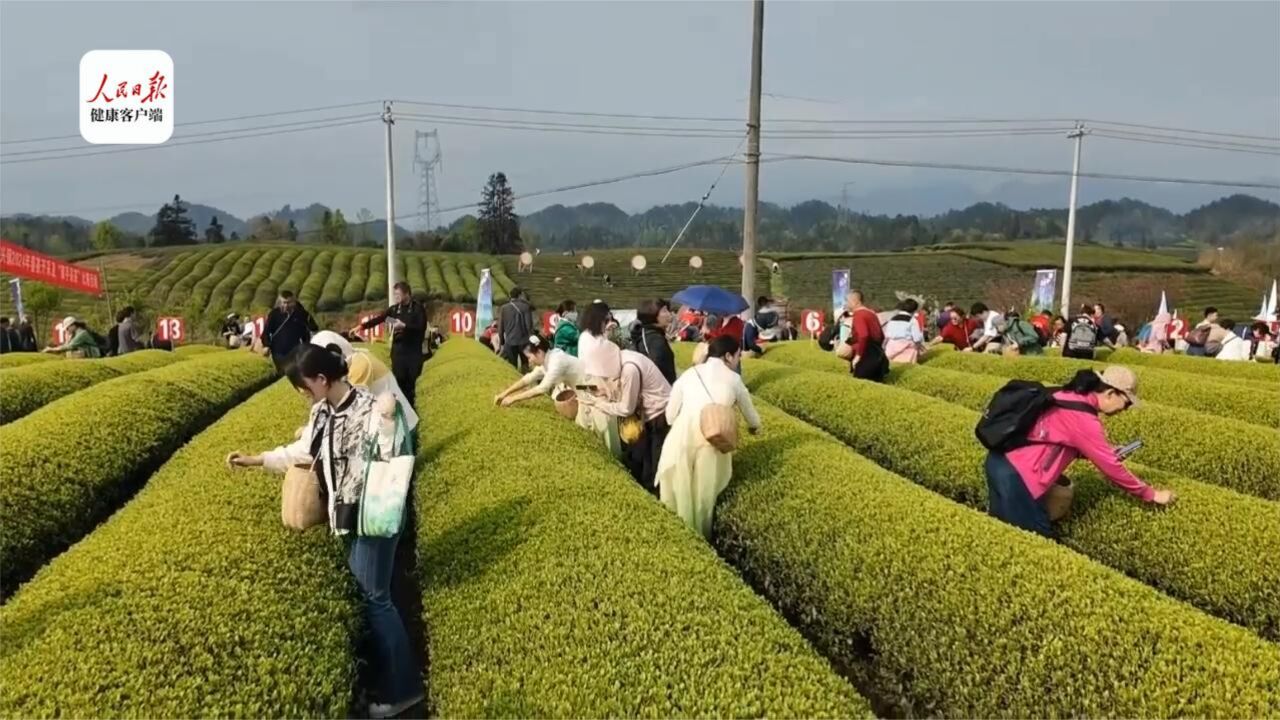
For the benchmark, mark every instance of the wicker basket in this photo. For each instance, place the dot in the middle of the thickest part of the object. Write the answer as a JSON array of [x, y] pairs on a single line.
[[567, 404]]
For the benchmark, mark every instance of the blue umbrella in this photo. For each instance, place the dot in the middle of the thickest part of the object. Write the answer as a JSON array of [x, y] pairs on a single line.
[[711, 299]]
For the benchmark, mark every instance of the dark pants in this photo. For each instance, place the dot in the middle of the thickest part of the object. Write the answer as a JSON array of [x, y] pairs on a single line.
[[1196, 351], [372, 560], [512, 354], [642, 457], [406, 366], [1009, 500], [873, 364], [1077, 354]]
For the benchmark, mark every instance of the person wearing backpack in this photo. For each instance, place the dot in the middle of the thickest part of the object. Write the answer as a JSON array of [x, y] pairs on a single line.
[[1198, 338], [903, 336], [1082, 339], [82, 343], [1034, 433], [1020, 334]]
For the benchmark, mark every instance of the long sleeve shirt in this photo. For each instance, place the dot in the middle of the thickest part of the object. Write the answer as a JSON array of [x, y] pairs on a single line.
[[559, 367], [712, 381], [82, 341], [1060, 436], [128, 337], [286, 331], [904, 329], [866, 328], [642, 387], [411, 336]]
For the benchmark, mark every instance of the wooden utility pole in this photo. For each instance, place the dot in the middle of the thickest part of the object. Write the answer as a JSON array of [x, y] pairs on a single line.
[[749, 213]]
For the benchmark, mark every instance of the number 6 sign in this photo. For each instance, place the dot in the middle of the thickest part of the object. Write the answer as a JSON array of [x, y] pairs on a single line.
[[171, 329], [462, 322], [812, 322]]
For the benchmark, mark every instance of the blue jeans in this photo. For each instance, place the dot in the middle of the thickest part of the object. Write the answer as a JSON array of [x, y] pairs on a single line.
[[1009, 500], [371, 560]]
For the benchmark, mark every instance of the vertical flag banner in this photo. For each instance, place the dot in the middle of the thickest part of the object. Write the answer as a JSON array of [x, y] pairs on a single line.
[[839, 288], [15, 291], [484, 302], [1042, 292]]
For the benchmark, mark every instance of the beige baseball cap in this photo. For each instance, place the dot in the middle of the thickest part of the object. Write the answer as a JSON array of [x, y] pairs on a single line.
[[1122, 379], [67, 322]]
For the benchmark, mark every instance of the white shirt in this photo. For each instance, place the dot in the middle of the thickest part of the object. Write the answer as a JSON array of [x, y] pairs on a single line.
[[991, 325], [1234, 349], [724, 385], [599, 356], [559, 367]]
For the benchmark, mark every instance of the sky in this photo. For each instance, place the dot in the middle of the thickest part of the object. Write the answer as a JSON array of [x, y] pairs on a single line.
[[1206, 66]]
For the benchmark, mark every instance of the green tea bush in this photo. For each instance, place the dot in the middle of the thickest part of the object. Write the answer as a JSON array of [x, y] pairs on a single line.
[[556, 587], [170, 274], [376, 288], [501, 277], [220, 298], [436, 287], [415, 276], [315, 281], [202, 292], [1167, 387], [242, 296], [199, 270], [1244, 457], [470, 278], [353, 291], [21, 359], [453, 281], [192, 600], [264, 297], [68, 465], [949, 613], [331, 293], [26, 389], [197, 349], [1215, 548], [1263, 374], [299, 270]]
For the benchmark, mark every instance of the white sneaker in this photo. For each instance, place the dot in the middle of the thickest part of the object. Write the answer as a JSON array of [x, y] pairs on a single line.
[[379, 711]]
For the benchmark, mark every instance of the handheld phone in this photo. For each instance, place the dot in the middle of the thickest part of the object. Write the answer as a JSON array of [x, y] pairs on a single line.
[[1127, 450]]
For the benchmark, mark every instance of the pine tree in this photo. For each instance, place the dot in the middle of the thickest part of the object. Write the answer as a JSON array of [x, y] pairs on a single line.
[[292, 232], [499, 224], [213, 233], [173, 227]]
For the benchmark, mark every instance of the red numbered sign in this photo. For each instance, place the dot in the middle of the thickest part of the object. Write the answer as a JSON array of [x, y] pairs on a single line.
[[171, 329], [549, 322], [811, 320], [375, 332], [1177, 329], [60, 337], [462, 322], [259, 325]]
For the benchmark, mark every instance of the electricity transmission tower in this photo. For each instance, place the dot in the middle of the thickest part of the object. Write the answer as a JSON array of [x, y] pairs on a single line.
[[426, 162]]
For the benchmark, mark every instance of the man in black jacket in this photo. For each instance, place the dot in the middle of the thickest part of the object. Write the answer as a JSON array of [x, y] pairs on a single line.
[[408, 332], [649, 336], [9, 341], [288, 327], [26, 335]]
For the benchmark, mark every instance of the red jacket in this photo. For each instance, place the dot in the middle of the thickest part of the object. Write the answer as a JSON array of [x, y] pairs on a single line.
[[957, 335], [733, 327], [866, 326]]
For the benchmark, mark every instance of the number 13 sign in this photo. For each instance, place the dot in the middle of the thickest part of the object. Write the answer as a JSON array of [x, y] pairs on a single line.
[[171, 329]]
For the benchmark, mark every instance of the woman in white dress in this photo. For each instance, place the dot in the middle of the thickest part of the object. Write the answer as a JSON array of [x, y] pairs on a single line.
[[692, 473], [602, 362]]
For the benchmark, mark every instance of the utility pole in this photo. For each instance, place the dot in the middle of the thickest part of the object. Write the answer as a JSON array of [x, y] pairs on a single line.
[[749, 214], [391, 204], [1077, 134], [844, 202]]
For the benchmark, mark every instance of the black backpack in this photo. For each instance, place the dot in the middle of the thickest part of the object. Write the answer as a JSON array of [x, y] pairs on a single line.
[[830, 334], [104, 347], [1014, 410]]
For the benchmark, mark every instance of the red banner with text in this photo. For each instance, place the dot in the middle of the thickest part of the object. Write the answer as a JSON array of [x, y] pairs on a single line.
[[29, 264]]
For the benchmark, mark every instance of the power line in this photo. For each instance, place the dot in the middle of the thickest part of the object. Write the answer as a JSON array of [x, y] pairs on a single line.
[[1160, 140], [1183, 130], [163, 146], [776, 157], [236, 118], [212, 133]]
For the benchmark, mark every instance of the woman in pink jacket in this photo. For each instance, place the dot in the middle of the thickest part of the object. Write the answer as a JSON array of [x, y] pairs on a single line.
[[1018, 480]]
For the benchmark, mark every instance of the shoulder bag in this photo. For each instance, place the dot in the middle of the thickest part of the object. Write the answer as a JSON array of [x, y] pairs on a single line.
[[386, 482], [718, 423]]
